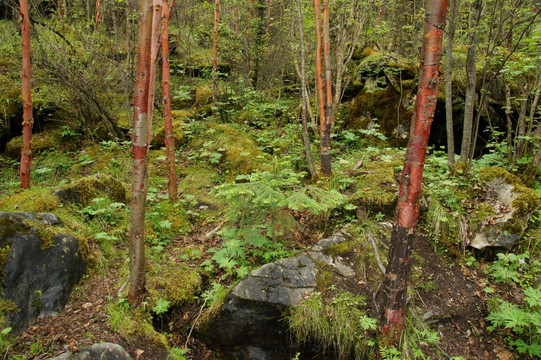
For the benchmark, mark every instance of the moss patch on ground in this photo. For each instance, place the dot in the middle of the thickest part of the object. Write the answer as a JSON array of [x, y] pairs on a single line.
[[239, 153]]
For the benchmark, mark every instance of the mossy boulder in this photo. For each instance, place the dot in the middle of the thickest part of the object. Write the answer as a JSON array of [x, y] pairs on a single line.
[[82, 191], [36, 199], [249, 320], [383, 93], [376, 187], [40, 142], [40, 264], [176, 285], [503, 216], [232, 149], [203, 96], [180, 119]]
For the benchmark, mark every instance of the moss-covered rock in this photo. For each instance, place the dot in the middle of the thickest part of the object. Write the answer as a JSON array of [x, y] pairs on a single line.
[[503, 216], [40, 265], [239, 153], [40, 142], [177, 285], [180, 118], [84, 190], [36, 199], [376, 187], [203, 96]]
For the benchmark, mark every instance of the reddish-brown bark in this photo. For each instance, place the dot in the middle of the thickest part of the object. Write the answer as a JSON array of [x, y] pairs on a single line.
[[140, 157], [97, 19], [166, 89], [327, 125], [392, 293], [28, 120]]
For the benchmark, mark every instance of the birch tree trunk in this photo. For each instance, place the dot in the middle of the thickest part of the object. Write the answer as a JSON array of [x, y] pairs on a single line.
[[393, 290], [140, 157], [166, 89], [28, 120]]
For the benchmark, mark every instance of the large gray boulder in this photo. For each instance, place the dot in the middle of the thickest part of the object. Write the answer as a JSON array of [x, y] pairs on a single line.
[[40, 265], [249, 324]]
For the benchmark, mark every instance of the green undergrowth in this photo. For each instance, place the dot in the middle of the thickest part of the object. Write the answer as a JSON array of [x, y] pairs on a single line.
[[340, 325]]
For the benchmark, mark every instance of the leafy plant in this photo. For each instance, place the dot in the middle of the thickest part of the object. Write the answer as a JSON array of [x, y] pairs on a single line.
[[524, 322], [260, 213]]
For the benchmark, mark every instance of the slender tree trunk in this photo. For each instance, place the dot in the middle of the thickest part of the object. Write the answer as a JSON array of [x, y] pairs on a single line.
[[140, 157], [320, 77], [533, 105], [520, 142], [215, 56], [393, 291], [97, 19], [471, 72], [305, 136], [166, 89], [326, 129], [454, 4], [508, 112], [154, 49], [28, 120]]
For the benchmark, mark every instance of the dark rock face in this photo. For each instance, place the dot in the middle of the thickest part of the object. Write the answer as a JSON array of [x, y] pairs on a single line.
[[249, 324], [101, 351], [41, 266]]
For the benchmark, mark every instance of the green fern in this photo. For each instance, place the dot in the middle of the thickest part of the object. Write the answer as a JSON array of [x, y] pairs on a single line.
[[260, 213], [524, 322]]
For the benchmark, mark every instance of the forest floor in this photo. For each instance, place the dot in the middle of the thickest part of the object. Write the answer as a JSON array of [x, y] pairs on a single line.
[[455, 308]]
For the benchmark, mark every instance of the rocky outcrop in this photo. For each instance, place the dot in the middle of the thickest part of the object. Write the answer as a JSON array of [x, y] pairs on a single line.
[[101, 351], [249, 323], [40, 265], [506, 209], [82, 191]]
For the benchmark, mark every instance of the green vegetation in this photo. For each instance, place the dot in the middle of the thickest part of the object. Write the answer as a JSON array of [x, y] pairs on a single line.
[[245, 196], [339, 324]]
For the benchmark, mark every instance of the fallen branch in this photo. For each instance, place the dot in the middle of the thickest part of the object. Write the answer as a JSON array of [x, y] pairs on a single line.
[[376, 252]]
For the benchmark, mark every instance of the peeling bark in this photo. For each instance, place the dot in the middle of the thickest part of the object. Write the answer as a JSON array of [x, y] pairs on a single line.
[[393, 290], [140, 157]]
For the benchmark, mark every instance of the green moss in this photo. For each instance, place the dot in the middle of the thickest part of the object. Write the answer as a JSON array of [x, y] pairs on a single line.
[[203, 96], [176, 285], [179, 126], [134, 324], [527, 200], [10, 101], [36, 301], [41, 142], [377, 187], [100, 185], [240, 153], [339, 324], [341, 248]]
